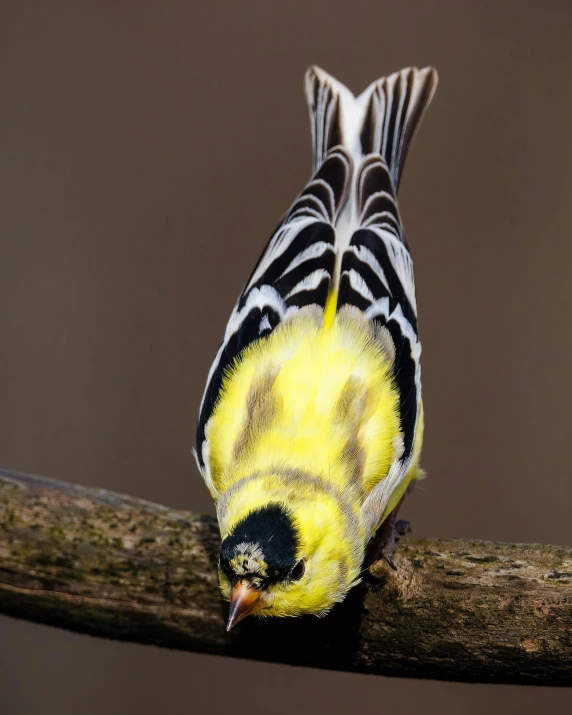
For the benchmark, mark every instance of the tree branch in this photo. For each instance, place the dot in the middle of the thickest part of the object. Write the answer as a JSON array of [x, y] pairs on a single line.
[[97, 562]]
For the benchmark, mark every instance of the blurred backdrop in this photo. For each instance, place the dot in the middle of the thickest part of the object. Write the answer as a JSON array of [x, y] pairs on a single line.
[[147, 152]]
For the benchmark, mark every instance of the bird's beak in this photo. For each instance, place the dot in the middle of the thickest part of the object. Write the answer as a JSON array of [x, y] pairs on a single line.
[[244, 600]]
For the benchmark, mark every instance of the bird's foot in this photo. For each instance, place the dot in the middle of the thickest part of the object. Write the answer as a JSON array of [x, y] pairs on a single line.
[[392, 531], [384, 543]]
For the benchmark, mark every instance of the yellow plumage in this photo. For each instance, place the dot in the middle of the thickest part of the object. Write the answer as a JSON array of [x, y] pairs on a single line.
[[299, 376]]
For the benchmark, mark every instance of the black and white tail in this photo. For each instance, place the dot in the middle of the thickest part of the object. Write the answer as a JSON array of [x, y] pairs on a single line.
[[382, 120]]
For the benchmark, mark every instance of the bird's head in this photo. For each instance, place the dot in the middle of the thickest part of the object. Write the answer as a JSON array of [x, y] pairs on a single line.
[[275, 562]]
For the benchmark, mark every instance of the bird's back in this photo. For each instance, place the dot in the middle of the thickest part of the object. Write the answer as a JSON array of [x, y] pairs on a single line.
[[310, 399]]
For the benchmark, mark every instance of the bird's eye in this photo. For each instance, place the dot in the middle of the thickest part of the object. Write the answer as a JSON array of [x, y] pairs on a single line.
[[298, 570]]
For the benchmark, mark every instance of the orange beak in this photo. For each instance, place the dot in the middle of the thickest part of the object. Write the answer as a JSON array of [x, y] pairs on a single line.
[[244, 600]]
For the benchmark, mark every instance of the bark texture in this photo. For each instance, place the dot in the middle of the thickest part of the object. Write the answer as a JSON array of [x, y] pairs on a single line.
[[97, 562]]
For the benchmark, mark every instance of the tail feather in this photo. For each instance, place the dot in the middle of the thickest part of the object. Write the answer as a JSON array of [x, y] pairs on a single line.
[[381, 120], [395, 106], [335, 115]]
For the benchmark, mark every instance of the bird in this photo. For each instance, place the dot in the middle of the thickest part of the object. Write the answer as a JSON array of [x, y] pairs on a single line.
[[311, 423]]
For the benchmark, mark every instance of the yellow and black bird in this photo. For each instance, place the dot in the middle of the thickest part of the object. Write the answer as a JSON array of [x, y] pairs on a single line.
[[311, 423]]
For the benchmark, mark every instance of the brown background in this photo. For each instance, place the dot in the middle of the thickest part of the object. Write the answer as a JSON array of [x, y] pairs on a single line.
[[147, 150]]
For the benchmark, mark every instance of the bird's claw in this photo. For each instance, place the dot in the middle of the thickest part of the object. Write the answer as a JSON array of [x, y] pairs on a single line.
[[393, 531]]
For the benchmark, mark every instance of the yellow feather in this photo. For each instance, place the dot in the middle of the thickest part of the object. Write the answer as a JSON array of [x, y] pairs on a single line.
[[305, 370], [330, 308]]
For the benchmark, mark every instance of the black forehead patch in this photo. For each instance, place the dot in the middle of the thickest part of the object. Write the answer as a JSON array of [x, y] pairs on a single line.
[[272, 530]]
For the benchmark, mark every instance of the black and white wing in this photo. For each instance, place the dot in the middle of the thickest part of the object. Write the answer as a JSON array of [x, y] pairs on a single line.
[[295, 270]]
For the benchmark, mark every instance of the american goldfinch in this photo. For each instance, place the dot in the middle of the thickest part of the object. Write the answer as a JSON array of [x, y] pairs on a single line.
[[311, 424]]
